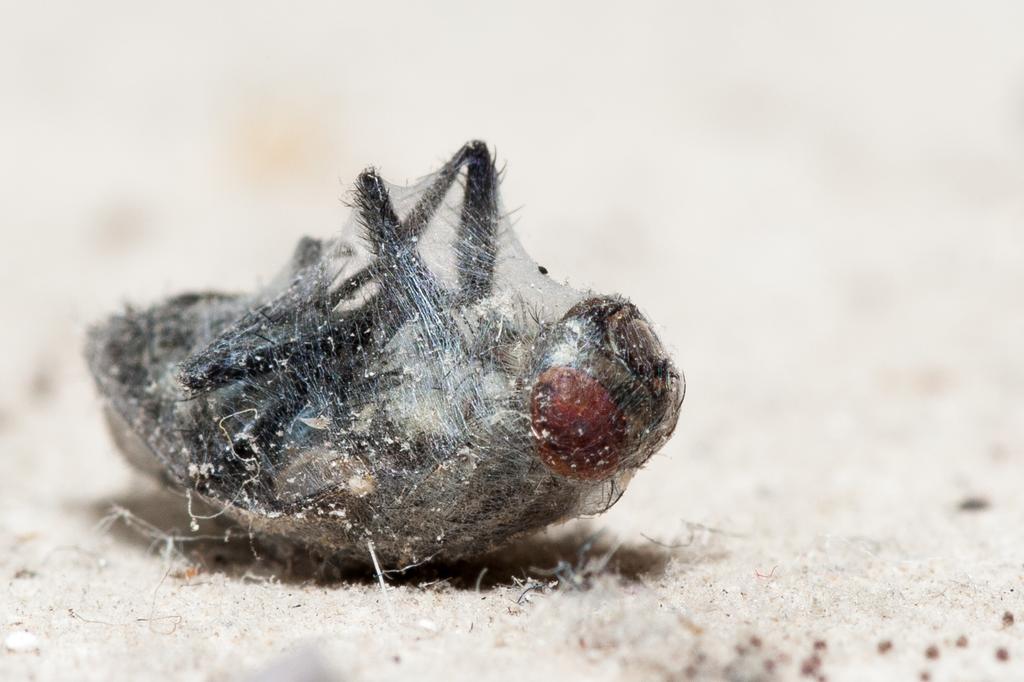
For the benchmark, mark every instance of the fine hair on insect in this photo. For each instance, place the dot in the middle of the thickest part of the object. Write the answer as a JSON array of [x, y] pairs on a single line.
[[416, 384]]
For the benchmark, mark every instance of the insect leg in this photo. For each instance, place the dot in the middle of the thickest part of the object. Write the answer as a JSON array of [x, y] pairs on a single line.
[[253, 345], [383, 229], [307, 252], [478, 225], [409, 289]]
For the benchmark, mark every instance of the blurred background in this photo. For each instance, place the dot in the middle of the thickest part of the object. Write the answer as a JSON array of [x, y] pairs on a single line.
[[819, 205], [722, 164]]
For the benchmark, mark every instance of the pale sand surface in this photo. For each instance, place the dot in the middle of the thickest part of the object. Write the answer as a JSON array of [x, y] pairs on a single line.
[[821, 208]]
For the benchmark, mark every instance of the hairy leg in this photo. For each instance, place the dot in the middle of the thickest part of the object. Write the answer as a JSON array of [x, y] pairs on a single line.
[[263, 340], [478, 227]]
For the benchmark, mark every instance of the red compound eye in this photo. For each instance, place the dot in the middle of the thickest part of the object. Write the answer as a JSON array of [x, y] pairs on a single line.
[[578, 428]]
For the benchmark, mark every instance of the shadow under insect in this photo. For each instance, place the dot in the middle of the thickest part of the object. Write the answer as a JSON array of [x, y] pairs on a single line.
[[162, 522]]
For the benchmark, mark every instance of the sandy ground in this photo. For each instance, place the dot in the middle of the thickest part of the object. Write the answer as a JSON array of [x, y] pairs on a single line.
[[821, 208]]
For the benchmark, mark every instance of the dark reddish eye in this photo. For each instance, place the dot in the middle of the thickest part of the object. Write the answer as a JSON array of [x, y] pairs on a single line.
[[578, 428]]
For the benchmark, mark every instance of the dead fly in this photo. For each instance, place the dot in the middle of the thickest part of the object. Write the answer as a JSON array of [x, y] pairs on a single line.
[[418, 384]]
